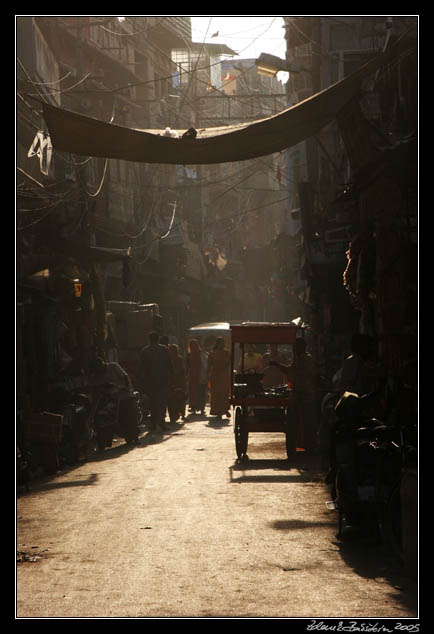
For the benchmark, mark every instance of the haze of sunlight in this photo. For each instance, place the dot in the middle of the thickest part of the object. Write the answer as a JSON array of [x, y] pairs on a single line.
[[247, 35]]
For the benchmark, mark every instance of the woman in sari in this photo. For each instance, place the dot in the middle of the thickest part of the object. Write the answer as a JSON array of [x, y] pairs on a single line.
[[219, 369], [176, 399], [195, 369]]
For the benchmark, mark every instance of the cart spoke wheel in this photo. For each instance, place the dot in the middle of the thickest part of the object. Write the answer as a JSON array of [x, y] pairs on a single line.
[[241, 435]]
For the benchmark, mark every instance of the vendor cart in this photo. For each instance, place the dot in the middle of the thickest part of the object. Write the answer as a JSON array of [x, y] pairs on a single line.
[[257, 405]]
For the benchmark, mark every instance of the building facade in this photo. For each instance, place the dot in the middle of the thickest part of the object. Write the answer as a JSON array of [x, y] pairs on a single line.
[[315, 231], [354, 212], [88, 229], [95, 231]]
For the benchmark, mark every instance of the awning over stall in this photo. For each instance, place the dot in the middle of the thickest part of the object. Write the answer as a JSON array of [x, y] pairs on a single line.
[[81, 135]]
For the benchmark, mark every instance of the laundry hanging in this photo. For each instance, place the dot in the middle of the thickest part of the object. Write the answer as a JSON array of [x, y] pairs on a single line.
[[86, 136]]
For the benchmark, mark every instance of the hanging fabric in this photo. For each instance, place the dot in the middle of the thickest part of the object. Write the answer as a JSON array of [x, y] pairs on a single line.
[[85, 136]]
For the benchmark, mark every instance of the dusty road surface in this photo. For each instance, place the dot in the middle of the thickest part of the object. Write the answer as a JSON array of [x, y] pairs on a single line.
[[175, 528]]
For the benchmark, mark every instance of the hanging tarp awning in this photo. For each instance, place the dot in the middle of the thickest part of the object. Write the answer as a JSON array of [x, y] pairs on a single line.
[[85, 136]]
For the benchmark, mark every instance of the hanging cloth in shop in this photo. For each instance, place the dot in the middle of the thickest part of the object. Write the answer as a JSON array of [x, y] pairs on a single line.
[[85, 136], [42, 148]]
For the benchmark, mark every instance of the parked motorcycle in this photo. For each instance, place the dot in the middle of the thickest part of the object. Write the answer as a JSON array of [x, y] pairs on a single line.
[[355, 441], [328, 419], [398, 457], [117, 413], [78, 437]]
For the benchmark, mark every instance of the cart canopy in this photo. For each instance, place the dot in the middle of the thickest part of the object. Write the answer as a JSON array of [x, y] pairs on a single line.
[[264, 332], [208, 332]]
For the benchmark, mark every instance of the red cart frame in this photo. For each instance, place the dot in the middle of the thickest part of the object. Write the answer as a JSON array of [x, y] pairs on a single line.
[[282, 411]]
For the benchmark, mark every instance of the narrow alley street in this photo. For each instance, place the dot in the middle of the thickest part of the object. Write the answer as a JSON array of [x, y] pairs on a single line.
[[176, 528]]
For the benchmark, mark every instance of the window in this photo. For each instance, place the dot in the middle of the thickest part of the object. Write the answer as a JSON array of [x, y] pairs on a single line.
[[181, 57]]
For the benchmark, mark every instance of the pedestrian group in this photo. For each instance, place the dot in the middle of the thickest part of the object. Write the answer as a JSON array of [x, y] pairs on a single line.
[[169, 381]]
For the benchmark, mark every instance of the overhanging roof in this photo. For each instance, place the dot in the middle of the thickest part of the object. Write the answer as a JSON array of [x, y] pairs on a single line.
[[57, 253], [215, 49], [85, 136]]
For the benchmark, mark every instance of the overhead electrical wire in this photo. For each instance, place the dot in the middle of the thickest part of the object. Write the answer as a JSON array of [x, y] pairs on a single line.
[[171, 224], [166, 235], [153, 206], [63, 90], [182, 71], [234, 186], [49, 83], [192, 72], [207, 67], [51, 208], [226, 231], [60, 198], [244, 213], [145, 30], [226, 35], [99, 188], [158, 237], [191, 76]]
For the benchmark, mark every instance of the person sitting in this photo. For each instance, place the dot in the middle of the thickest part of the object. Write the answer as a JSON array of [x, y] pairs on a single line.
[[252, 360], [103, 373], [273, 376]]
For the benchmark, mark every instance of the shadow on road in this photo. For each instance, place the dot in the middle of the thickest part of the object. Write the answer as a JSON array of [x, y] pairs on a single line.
[[291, 525], [44, 485], [294, 471], [48, 482], [370, 559], [216, 423]]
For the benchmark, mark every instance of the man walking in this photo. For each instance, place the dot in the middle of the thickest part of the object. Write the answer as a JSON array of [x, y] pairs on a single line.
[[155, 371]]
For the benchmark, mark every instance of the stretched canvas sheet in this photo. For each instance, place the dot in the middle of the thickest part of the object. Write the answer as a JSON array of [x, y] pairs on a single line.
[[86, 136]]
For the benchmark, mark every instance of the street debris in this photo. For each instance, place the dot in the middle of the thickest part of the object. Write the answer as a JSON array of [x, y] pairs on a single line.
[[22, 556]]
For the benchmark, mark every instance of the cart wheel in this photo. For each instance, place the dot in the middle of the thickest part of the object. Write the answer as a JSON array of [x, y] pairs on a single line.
[[241, 435], [339, 534], [290, 436]]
